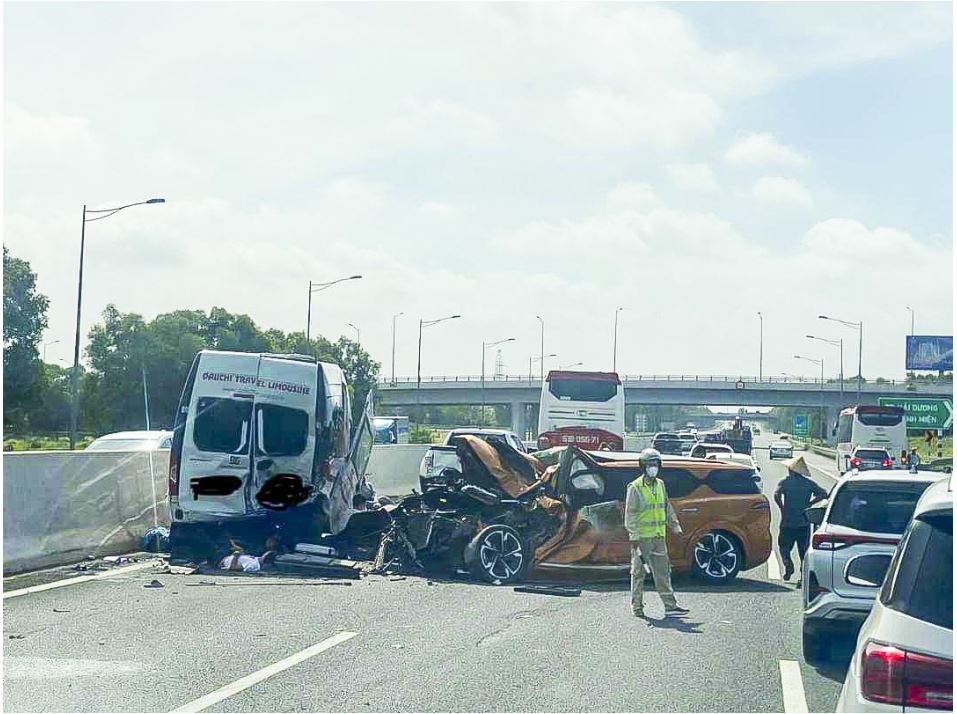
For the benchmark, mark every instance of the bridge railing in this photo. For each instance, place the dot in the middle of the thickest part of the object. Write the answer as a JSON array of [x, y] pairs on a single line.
[[849, 382]]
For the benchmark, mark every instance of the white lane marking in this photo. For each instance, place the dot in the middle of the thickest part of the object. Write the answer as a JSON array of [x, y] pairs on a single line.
[[198, 705], [78, 580], [792, 686], [774, 568], [827, 473]]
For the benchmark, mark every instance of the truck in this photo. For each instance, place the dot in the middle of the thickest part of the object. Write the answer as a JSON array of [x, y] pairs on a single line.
[[737, 436]]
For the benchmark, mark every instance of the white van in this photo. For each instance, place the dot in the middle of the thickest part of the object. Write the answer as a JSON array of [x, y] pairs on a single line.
[[262, 434]]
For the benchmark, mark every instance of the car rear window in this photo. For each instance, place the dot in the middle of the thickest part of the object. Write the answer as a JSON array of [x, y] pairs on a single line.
[[678, 482], [221, 425], [920, 582], [733, 481], [875, 507], [878, 454], [282, 431]]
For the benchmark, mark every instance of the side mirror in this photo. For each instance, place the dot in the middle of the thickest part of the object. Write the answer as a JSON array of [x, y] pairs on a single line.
[[815, 516]]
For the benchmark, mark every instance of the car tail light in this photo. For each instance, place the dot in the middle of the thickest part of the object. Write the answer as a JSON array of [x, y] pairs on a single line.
[[172, 483], [887, 463], [834, 541], [855, 462], [895, 676]]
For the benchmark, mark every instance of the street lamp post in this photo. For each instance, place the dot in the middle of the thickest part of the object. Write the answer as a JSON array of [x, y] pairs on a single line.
[[106, 213], [840, 344], [51, 342], [859, 326], [761, 349], [542, 353], [358, 337], [911, 321], [422, 324], [614, 357], [823, 418], [568, 366], [318, 287], [398, 314], [536, 359], [485, 346]]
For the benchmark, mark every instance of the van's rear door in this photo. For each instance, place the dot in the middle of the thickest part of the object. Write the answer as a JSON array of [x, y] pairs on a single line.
[[284, 420], [217, 437]]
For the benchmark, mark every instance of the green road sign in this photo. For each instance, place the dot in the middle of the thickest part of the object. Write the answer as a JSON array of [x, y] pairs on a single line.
[[923, 413], [800, 424]]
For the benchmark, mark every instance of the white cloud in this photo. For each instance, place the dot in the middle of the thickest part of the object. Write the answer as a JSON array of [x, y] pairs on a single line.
[[46, 136], [632, 195], [782, 191], [692, 177], [761, 149]]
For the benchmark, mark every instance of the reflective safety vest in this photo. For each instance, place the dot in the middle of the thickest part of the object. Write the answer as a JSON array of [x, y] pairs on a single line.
[[651, 517]]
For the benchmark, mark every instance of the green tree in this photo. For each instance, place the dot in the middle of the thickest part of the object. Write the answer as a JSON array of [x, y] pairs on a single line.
[[24, 320]]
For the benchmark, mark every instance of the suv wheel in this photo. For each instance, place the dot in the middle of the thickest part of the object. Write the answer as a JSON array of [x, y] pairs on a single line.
[[716, 557], [498, 554], [815, 647]]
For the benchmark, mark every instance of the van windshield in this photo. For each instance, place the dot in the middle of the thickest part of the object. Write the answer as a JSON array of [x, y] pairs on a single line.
[[222, 425], [281, 431]]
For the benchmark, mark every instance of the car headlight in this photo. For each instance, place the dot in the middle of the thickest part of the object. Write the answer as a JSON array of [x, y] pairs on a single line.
[[588, 482]]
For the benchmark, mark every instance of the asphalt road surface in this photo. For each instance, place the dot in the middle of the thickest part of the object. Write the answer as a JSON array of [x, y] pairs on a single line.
[[408, 644]]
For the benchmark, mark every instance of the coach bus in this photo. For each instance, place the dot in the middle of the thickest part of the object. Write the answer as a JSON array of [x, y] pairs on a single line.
[[879, 427], [585, 409]]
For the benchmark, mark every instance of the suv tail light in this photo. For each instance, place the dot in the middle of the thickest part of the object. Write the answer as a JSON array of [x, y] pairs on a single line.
[[887, 463], [834, 541], [894, 676], [172, 482], [855, 462]]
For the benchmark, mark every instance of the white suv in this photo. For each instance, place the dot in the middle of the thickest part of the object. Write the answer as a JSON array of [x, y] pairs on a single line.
[[858, 529], [904, 660]]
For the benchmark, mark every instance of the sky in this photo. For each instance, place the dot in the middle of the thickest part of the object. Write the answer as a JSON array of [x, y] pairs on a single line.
[[691, 163]]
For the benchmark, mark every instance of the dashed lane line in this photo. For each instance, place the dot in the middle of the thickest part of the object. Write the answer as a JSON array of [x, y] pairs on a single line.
[[77, 580], [792, 687], [827, 473], [198, 705]]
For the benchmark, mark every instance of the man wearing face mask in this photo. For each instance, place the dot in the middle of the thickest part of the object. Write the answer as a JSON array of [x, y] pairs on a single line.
[[647, 513]]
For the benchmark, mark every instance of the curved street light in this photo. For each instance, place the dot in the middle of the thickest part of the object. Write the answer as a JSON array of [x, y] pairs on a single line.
[[859, 326], [319, 287], [398, 314], [836, 343], [823, 417], [75, 378], [422, 324], [485, 347]]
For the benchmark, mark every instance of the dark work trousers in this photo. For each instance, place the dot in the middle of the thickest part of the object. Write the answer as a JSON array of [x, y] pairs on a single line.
[[788, 538]]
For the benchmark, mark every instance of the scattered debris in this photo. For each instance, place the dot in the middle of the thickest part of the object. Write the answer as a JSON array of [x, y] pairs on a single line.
[[16, 637], [318, 565], [397, 578], [153, 584], [559, 590], [116, 560], [56, 610]]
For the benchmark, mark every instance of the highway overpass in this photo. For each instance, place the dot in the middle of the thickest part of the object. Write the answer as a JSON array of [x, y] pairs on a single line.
[[517, 392]]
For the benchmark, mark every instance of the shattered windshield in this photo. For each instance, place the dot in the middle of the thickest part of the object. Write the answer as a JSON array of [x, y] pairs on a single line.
[[281, 431]]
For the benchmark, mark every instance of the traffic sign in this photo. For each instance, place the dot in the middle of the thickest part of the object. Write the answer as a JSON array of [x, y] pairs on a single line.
[[800, 425], [923, 413]]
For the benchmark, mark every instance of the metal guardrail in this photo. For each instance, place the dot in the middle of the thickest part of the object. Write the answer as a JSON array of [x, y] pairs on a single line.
[[849, 384]]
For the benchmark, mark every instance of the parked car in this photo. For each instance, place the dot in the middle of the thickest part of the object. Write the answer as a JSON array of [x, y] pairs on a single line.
[[904, 659], [132, 441], [780, 449], [667, 443], [865, 458], [725, 517], [263, 442], [439, 458], [858, 529], [702, 451]]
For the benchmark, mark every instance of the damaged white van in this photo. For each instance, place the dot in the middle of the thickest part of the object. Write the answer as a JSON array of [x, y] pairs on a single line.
[[265, 440]]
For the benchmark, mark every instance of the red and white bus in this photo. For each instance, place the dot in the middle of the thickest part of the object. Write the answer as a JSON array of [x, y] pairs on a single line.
[[585, 409]]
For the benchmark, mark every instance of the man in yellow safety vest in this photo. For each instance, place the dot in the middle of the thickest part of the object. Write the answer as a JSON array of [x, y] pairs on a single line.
[[647, 513]]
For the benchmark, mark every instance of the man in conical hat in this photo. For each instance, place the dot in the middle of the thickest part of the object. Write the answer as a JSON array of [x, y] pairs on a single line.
[[794, 493]]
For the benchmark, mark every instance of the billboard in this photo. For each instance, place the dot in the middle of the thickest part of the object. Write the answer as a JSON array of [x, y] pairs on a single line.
[[930, 352]]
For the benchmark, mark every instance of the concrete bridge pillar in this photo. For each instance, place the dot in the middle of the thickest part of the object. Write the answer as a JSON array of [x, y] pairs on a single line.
[[519, 422]]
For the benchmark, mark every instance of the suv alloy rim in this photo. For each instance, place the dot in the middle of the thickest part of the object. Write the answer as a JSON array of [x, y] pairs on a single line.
[[715, 555], [501, 554]]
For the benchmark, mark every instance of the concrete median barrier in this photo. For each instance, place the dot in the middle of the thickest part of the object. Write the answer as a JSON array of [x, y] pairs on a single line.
[[61, 506]]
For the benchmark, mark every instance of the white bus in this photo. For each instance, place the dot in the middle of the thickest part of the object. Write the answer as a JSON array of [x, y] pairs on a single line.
[[878, 427], [586, 409]]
